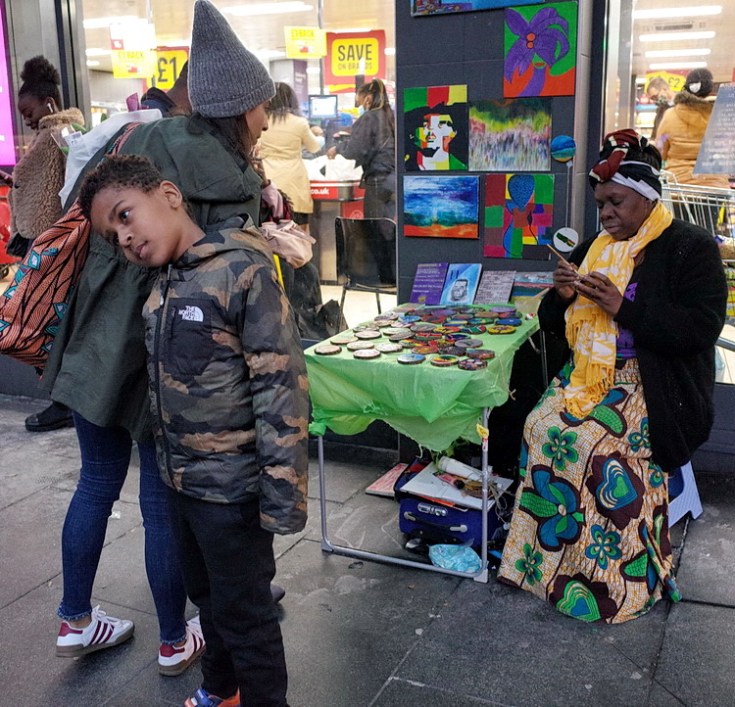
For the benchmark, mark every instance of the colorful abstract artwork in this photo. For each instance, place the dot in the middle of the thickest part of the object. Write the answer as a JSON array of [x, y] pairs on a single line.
[[441, 207], [421, 8], [513, 135], [519, 210], [437, 124], [540, 50]]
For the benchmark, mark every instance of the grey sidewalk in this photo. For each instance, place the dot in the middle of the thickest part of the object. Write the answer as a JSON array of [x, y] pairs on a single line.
[[358, 633]]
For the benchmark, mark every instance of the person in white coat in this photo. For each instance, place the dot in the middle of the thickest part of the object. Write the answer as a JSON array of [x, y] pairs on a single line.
[[280, 150]]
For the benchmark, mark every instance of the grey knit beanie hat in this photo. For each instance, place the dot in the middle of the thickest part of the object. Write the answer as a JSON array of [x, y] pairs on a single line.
[[225, 79]]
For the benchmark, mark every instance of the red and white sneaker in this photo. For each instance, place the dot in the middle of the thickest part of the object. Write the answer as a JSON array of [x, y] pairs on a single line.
[[174, 661], [104, 632]]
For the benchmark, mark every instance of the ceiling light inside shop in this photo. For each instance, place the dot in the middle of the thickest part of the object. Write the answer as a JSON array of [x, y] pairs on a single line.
[[677, 65], [390, 51], [267, 8], [676, 36], [101, 22], [97, 51], [668, 12], [667, 53], [91, 63]]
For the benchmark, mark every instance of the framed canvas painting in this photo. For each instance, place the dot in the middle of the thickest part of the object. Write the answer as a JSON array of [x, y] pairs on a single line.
[[441, 207], [424, 8]]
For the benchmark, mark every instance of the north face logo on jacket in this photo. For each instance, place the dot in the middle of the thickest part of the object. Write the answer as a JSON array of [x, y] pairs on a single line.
[[190, 313]]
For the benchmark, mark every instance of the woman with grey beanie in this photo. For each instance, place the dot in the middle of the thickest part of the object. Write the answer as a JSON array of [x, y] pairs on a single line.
[[208, 155]]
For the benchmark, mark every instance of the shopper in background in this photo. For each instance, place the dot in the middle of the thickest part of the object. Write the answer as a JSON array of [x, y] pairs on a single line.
[[662, 95], [208, 154], [682, 129], [244, 388], [36, 181], [641, 307], [173, 102], [280, 149], [372, 145]]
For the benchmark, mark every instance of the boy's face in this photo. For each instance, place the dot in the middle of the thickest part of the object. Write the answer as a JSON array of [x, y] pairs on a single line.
[[152, 228]]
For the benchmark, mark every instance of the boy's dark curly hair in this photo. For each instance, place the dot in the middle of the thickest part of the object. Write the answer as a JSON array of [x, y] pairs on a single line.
[[118, 172], [40, 80]]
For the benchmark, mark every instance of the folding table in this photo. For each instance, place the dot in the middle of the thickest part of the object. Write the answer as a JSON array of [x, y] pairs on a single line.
[[433, 406]]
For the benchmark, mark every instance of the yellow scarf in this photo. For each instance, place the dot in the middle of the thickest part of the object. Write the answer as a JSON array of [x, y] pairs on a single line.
[[591, 332]]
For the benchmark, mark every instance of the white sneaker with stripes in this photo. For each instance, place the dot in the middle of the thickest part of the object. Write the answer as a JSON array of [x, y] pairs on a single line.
[[174, 661], [104, 632]]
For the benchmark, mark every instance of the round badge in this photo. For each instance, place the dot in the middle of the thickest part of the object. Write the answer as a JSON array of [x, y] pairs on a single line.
[[481, 354], [565, 239], [368, 334], [382, 323], [563, 148], [474, 329], [443, 360], [400, 337], [409, 318], [420, 327], [511, 321], [366, 353], [448, 329], [342, 340], [468, 343], [452, 350], [498, 329], [472, 364], [426, 349], [410, 358], [327, 349], [359, 346], [389, 348], [501, 310]]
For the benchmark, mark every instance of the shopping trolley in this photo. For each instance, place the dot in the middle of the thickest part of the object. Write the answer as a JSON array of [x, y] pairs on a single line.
[[712, 208]]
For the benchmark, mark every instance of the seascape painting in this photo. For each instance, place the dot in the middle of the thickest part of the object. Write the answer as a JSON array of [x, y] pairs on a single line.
[[420, 8], [513, 135], [540, 50], [441, 207], [437, 124], [519, 211]]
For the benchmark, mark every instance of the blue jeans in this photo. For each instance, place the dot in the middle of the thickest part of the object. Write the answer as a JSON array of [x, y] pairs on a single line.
[[105, 458]]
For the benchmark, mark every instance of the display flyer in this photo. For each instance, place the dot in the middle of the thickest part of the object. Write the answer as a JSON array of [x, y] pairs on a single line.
[[495, 286], [428, 283]]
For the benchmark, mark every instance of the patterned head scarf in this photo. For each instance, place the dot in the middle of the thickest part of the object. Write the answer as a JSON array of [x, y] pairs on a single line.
[[618, 164]]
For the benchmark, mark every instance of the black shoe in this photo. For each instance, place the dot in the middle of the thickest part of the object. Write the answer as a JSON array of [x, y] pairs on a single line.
[[54, 417], [277, 593]]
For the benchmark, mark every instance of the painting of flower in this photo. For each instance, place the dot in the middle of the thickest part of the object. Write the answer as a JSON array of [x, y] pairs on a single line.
[[540, 50]]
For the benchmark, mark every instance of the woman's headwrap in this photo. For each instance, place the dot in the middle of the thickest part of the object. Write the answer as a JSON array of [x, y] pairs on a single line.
[[641, 177]]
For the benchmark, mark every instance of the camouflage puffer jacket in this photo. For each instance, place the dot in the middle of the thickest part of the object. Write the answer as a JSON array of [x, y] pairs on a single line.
[[228, 379]]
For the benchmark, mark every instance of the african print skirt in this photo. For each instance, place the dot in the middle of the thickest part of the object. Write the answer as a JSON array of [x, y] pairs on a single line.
[[590, 527]]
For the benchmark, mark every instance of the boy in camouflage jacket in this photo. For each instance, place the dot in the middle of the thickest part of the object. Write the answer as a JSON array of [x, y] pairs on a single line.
[[230, 403]]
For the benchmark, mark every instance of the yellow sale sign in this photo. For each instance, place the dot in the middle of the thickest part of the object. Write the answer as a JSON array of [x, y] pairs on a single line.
[[355, 54], [305, 42], [133, 64]]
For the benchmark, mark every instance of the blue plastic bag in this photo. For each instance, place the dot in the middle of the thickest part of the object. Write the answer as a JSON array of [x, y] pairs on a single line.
[[460, 558]]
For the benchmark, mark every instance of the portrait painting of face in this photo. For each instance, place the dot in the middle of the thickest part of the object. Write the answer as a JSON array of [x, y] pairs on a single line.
[[437, 128]]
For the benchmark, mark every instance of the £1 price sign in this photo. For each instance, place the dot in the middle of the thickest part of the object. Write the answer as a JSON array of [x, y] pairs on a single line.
[[169, 63]]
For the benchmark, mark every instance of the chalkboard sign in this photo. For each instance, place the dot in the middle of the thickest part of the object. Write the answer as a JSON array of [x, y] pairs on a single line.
[[717, 153]]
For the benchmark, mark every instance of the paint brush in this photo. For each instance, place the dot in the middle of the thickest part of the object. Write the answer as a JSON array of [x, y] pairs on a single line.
[[557, 254]]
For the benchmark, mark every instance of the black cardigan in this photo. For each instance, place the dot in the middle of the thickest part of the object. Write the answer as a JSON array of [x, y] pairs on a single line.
[[677, 315]]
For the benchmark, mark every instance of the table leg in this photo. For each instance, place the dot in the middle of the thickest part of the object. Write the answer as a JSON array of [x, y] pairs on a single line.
[[328, 546]]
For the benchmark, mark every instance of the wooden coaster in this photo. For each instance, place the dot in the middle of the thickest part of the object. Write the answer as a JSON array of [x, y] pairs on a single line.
[[327, 349]]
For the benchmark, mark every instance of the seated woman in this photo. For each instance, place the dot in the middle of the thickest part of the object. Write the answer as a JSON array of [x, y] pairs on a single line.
[[641, 307]]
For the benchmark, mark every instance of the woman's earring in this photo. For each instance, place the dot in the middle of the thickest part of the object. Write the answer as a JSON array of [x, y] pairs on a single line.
[[50, 107]]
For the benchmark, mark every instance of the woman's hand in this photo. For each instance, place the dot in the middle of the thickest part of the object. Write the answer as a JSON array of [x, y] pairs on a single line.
[[565, 278], [332, 152], [597, 287]]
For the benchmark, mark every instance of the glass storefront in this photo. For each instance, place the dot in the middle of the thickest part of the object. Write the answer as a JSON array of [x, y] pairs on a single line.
[[120, 45], [652, 47]]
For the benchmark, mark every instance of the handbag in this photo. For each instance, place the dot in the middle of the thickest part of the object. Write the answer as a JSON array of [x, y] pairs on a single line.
[[288, 241], [32, 306]]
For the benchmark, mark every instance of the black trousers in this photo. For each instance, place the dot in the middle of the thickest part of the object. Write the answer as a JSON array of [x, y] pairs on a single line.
[[228, 564]]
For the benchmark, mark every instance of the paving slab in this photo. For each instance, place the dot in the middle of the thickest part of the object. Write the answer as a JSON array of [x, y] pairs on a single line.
[[707, 561], [696, 661]]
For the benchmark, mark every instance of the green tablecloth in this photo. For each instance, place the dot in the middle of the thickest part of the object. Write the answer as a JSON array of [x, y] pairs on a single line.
[[432, 405]]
